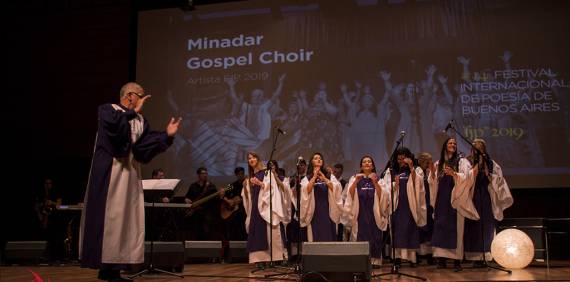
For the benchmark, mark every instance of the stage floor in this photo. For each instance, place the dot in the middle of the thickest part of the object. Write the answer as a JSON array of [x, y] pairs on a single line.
[[241, 272]]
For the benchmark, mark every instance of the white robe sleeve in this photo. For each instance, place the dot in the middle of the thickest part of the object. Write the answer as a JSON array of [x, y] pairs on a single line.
[[382, 206], [433, 185], [286, 201], [392, 190], [388, 186], [417, 197], [246, 196], [351, 206], [335, 200], [292, 192], [344, 193], [499, 191], [462, 191], [307, 204], [278, 211]]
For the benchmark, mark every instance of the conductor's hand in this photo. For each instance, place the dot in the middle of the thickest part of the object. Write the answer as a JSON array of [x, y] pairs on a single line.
[[140, 102], [172, 126]]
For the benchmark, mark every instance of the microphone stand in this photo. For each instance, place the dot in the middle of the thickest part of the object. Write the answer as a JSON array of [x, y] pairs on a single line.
[[395, 270], [485, 160], [389, 162], [297, 268], [269, 173]]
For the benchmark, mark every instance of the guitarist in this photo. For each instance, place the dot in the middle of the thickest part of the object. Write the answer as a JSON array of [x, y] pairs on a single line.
[[203, 222], [52, 223], [233, 212]]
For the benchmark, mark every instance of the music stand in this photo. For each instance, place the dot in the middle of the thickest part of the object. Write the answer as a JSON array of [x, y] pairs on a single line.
[[156, 186]]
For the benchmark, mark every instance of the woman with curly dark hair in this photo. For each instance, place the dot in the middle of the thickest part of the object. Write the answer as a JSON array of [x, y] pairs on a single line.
[[409, 205]]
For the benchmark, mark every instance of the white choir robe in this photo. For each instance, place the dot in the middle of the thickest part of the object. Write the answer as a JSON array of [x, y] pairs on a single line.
[[286, 201], [351, 210], [417, 203], [425, 248], [112, 222], [292, 198], [459, 201], [281, 206], [308, 205], [501, 199]]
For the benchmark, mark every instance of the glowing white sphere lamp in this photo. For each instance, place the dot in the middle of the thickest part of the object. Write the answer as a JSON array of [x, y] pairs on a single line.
[[512, 249]]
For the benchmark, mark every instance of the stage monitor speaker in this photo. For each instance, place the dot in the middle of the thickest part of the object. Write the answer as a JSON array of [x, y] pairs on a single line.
[[337, 261], [238, 251], [167, 256], [25, 252], [203, 251]]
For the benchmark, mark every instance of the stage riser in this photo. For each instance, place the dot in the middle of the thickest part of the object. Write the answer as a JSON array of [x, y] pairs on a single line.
[[202, 251], [238, 252]]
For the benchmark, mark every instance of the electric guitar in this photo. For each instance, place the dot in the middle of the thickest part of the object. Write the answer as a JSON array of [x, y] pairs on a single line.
[[194, 205]]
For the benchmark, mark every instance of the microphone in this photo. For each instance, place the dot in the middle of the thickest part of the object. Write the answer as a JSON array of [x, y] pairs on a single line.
[[402, 134], [299, 159], [449, 125], [281, 131]]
